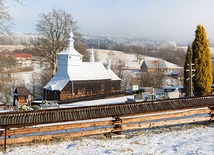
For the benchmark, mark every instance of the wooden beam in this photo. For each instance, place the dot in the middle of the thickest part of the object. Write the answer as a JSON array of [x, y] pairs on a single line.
[[28, 139], [211, 107], [164, 123], [212, 112], [173, 114], [18, 131]]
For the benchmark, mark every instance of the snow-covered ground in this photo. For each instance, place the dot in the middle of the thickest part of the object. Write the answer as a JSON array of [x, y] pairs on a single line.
[[182, 139], [179, 140], [115, 100], [129, 59]]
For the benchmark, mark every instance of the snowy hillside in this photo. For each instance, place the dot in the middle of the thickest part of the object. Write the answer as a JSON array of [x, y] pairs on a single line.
[[130, 59]]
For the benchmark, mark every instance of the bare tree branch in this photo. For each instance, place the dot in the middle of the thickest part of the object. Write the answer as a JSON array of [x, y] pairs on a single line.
[[54, 27]]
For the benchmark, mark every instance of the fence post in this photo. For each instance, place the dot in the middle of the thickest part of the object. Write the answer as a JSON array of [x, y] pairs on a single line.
[[117, 125], [211, 113], [5, 138]]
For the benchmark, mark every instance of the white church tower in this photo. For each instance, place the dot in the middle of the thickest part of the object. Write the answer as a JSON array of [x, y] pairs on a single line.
[[69, 60]]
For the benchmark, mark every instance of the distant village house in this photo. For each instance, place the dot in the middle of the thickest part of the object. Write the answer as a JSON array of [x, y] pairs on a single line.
[[23, 58], [159, 65]]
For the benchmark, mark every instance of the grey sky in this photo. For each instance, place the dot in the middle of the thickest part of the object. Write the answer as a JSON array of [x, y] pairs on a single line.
[[157, 19]]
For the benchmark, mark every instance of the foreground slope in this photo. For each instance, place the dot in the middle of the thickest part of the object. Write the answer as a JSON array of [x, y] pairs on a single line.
[[173, 140]]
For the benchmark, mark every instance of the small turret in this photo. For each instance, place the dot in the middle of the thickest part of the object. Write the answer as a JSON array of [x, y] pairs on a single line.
[[91, 59], [108, 67]]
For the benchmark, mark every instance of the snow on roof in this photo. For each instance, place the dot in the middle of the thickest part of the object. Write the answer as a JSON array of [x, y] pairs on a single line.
[[70, 50], [175, 72], [113, 75], [89, 71], [154, 63], [171, 65], [93, 71], [57, 83]]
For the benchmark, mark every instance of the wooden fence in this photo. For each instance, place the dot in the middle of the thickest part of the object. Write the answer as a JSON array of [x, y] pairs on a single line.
[[115, 124]]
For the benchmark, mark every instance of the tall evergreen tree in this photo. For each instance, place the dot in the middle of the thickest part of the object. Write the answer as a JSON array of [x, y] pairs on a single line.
[[187, 74], [202, 63]]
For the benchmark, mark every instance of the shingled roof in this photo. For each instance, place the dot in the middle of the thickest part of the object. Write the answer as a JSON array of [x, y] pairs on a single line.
[[22, 55], [22, 91], [159, 63]]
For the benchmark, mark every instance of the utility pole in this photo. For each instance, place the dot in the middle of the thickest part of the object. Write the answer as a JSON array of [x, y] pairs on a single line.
[[191, 76]]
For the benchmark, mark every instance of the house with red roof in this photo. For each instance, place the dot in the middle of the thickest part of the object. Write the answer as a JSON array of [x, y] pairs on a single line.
[[23, 58]]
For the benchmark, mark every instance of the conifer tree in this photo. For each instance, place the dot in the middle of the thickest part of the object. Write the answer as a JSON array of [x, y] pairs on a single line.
[[187, 74], [202, 63]]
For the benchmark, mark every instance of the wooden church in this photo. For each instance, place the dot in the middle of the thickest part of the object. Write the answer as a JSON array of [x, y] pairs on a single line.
[[75, 78]]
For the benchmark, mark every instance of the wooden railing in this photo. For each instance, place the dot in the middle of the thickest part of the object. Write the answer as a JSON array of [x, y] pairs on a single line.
[[116, 124], [37, 117]]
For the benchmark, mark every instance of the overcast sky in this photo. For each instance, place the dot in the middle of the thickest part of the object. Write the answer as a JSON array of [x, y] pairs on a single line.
[[173, 20]]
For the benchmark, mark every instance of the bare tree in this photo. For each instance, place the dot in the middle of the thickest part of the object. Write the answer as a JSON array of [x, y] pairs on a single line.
[[54, 27], [119, 67], [139, 57], [38, 81], [6, 79], [151, 79], [5, 18]]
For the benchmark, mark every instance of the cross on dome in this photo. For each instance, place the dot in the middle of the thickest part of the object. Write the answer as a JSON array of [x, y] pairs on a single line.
[[92, 56], [92, 51], [71, 35], [71, 40]]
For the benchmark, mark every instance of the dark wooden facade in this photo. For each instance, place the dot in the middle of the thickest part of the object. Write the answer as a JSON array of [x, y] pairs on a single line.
[[75, 89]]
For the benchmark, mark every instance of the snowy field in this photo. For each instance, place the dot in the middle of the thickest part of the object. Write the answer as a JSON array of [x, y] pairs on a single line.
[[180, 140]]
